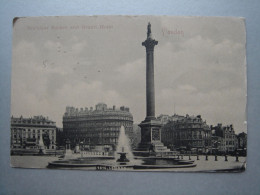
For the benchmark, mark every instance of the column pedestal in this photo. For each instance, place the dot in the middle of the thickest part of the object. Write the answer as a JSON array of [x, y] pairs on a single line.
[[151, 137]]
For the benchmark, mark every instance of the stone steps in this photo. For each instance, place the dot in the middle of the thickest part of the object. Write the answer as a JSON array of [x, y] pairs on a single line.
[[157, 147]]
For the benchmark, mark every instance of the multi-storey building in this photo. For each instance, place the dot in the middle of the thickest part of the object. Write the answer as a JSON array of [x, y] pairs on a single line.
[[188, 133], [227, 136], [164, 118], [218, 144], [27, 132], [242, 140], [97, 127]]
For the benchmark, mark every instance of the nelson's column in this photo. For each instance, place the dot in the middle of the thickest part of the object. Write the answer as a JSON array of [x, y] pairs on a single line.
[[150, 127]]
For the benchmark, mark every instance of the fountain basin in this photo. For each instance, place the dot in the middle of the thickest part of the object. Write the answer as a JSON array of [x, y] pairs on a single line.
[[108, 163]]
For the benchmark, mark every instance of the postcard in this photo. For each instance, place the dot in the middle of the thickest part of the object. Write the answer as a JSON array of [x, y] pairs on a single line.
[[129, 93]]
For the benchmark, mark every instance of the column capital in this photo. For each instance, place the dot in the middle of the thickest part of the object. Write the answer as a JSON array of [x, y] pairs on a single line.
[[149, 44]]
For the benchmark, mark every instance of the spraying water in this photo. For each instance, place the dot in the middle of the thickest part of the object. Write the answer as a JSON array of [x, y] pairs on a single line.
[[123, 145]]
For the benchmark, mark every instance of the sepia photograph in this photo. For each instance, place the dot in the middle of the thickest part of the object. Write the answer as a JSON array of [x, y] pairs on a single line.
[[129, 93]]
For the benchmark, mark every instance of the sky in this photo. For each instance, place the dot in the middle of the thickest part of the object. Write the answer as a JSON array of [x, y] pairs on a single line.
[[200, 66]]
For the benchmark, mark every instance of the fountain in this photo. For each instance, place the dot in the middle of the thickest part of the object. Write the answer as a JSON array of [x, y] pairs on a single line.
[[123, 159], [41, 146], [123, 148]]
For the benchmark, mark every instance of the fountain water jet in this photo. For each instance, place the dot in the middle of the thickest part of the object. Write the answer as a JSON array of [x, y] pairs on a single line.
[[41, 145], [123, 150]]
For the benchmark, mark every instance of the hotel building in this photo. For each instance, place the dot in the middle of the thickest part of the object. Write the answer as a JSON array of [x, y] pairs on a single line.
[[97, 128]]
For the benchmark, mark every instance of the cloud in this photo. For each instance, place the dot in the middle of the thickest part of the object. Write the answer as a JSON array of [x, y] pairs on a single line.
[[201, 72], [200, 62], [187, 88]]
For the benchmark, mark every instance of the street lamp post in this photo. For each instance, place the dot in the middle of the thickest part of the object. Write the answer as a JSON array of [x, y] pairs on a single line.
[[81, 148]]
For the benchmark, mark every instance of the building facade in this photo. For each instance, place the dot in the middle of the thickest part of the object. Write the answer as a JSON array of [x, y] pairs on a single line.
[[218, 144], [189, 133], [242, 140], [227, 136], [97, 127], [27, 132]]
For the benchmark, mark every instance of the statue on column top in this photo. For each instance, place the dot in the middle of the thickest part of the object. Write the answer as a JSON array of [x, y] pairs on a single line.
[[149, 32]]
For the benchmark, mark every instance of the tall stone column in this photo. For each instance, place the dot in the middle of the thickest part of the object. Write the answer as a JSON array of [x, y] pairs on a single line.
[[149, 44], [150, 127]]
